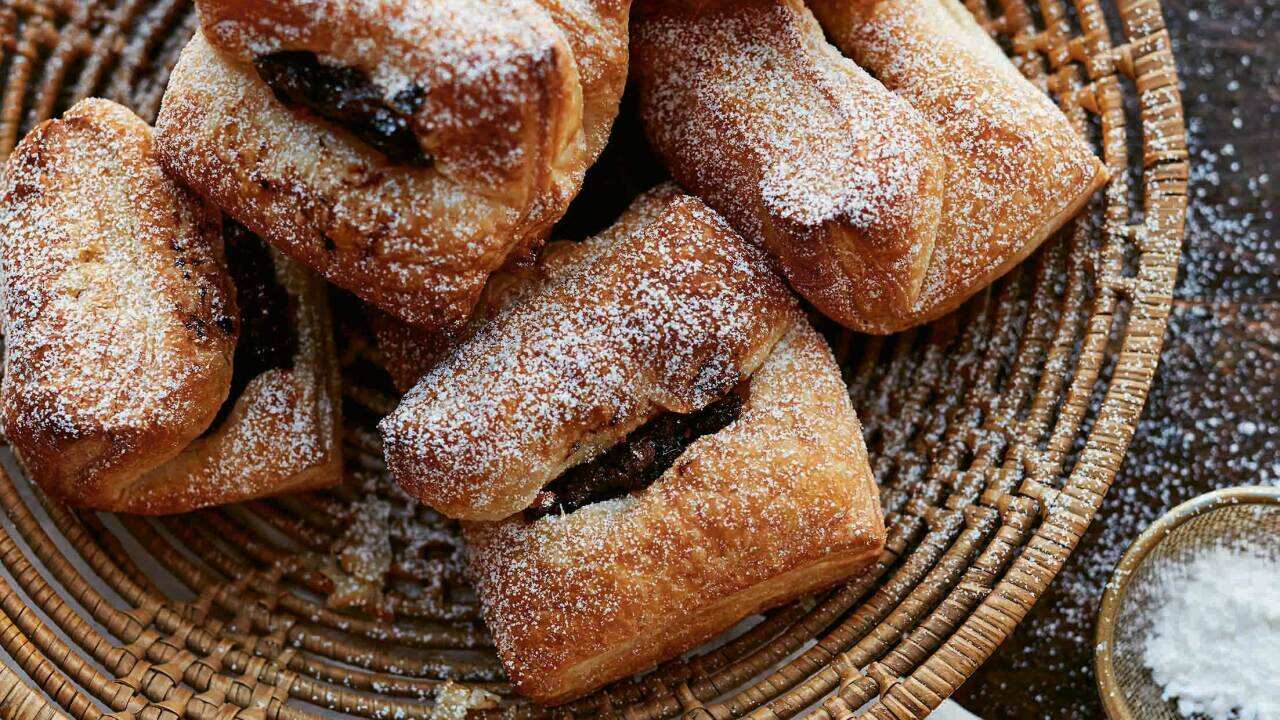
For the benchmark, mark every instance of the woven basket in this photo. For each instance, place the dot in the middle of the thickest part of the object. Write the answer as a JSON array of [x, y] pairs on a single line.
[[994, 435]]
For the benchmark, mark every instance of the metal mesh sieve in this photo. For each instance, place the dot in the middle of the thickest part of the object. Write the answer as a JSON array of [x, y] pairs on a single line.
[[1234, 518]]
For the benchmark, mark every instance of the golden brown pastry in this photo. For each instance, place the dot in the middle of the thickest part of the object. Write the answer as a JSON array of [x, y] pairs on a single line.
[[1016, 169], [408, 352], [800, 150], [119, 317], [777, 504], [278, 432], [402, 149], [669, 441], [664, 318]]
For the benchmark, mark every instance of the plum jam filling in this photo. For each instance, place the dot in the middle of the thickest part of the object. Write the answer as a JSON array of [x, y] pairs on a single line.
[[268, 339], [345, 96], [636, 462]]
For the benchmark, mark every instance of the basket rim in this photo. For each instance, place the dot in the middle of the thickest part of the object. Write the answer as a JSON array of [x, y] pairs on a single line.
[[1113, 701]]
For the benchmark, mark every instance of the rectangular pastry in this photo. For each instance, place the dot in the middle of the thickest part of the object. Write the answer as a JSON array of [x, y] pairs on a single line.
[[157, 359], [1016, 168], [804, 153], [778, 504], [665, 318], [649, 444], [119, 315], [403, 150]]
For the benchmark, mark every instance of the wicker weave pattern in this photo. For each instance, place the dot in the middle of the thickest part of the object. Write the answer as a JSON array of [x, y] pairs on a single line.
[[995, 434]]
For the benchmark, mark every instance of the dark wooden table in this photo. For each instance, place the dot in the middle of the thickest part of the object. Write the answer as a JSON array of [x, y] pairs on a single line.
[[1213, 417]]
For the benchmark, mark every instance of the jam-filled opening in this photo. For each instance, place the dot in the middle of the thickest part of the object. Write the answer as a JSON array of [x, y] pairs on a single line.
[[635, 463], [345, 96], [268, 339]]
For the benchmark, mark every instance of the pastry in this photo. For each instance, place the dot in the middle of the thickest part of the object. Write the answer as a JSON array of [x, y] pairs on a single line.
[[1016, 169], [278, 431], [777, 504], [795, 145], [404, 150], [119, 315], [408, 352], [665, 317], [649, 443]]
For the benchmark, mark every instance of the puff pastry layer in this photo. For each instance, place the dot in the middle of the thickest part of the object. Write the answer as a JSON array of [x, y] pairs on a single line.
[[119, 316], [777, 505], [404, 150]]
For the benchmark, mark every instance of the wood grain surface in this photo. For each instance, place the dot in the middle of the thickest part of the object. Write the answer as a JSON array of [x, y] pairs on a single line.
[[1213, 416]]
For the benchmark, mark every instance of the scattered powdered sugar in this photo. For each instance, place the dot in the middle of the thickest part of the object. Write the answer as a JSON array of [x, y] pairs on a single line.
[[453, 701], [393, 550], [597, 32], [1215, 640], [1212, 417], [1232, 215], [952, 710]]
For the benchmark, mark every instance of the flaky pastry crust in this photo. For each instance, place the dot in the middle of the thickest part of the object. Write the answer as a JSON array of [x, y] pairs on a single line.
[[664, 316], [505, 105], [490, 90], [777, 505], [800, 150], [407, 352], [119, 316], [408, 239], [1017, 170], [283, 433]]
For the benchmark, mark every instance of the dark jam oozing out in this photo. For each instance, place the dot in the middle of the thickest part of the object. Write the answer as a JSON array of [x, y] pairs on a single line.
[[268, 339], [344, 95], [633, 464]]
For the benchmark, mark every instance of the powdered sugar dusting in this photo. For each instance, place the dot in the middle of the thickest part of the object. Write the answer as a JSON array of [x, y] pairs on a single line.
[[799, 148], [1015, 163], [597, 32], [481, 68], [119, 316], [408, 352], [510, 101], [283, 433], [410, 239], [665, 317], [784, 486]]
